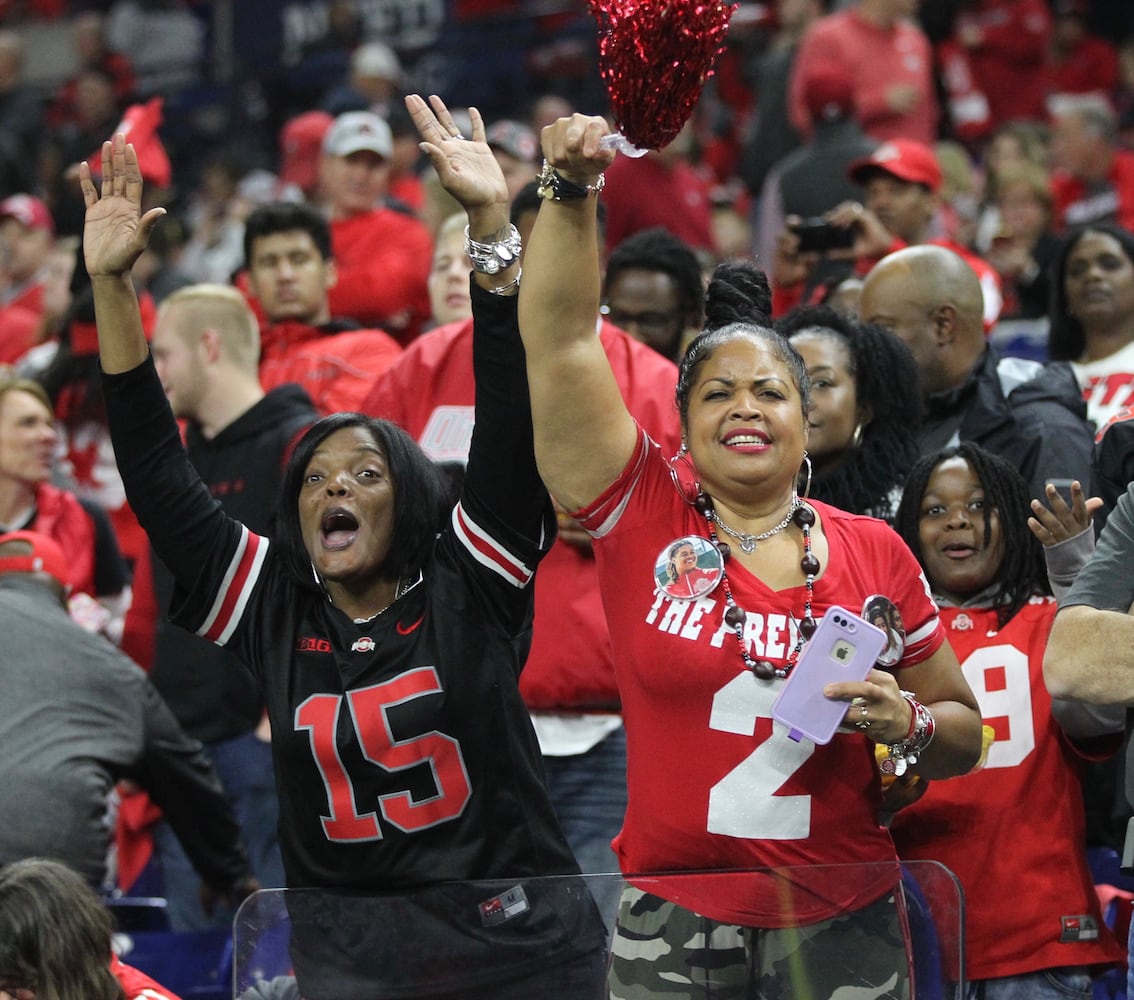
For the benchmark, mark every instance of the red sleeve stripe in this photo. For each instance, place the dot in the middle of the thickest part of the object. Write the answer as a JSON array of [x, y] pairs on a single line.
[[236, 588], [487, 551]]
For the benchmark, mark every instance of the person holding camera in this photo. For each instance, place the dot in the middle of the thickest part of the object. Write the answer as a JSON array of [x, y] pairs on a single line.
[[901, 183]]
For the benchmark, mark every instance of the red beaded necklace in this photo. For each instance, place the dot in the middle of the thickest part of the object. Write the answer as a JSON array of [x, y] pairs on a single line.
[[803, 517]]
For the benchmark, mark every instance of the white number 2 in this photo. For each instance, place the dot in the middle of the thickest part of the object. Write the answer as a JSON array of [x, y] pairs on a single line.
[[744, 802]]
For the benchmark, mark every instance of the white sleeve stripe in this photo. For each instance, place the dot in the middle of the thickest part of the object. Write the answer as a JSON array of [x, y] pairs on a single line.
[[231, 601], [925, 632], [487, 551]]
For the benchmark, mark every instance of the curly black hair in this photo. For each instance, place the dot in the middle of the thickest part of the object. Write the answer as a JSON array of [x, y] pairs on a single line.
[[886, 379], [738, 303], [1023, 569], [657, 249]]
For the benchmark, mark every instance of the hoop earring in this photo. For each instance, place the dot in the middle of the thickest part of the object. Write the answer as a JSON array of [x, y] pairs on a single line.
[[807, 485], [688, 491], [857, 439]]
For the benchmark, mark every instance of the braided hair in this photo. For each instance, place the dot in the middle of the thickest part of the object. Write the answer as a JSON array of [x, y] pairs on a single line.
[[1023, 570], [886, 379], [738, 304]]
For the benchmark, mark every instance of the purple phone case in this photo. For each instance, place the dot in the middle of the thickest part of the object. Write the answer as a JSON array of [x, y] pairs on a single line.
[[801, 705]]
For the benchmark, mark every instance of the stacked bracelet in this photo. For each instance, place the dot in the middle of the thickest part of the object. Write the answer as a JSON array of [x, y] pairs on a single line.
[[512, 285], [553, 186], [496, 256], [906, 751]]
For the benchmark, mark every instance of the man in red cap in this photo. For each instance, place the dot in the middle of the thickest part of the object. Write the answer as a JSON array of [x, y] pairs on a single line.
[[27, 236], [901, 181]]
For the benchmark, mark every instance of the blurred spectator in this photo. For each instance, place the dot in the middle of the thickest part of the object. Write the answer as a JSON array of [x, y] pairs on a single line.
[[301, 150], [214, 221], [769, 136], [1012, 145], [516, 148], [1124, 93], [157, 270], [547, 109], [27, 235], [29, 502], [382, 256], [1005, 44], [21, 119], [88, 41], [290, 272], [1093, 180], [1080, 62], [813, 179], [95, 111], [58, 274], [959, 207], [1024, 247], [374, 82], [78, 717], [56, 938], [888, 57], [449, 298], [1030, 414], [654, 291], [662, 188], [164, 41]]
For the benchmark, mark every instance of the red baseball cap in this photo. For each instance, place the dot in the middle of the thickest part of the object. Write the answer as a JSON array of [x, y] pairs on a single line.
[[828, 93], [29, 210], [44, 555], [905, 159], [301, 146]]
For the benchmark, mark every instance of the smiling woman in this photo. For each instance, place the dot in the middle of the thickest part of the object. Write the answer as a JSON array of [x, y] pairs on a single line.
[[699, 670], [386, 627]]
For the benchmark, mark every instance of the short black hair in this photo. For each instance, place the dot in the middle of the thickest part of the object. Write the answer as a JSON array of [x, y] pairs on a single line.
[[422, 497], [286, 217], [657, 249], [1023, 569]]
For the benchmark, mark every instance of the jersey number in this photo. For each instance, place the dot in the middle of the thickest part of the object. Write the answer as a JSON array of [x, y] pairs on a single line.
[[744, 802], [1002, 685], [369, 709]]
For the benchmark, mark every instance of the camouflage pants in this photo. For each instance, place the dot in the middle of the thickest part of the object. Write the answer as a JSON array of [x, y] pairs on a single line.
[[663, 950]]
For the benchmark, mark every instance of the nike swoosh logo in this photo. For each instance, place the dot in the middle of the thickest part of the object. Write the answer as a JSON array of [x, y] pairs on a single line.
[[407, 629]]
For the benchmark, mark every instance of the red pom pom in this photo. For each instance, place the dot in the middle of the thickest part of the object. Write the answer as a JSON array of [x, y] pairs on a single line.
[[654, 57]]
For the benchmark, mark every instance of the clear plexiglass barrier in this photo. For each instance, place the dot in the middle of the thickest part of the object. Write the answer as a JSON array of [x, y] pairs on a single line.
[[864, 931]]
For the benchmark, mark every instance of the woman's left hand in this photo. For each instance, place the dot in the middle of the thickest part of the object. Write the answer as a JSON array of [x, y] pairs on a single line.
[[466, 167], [1063, 520], [877, 707]]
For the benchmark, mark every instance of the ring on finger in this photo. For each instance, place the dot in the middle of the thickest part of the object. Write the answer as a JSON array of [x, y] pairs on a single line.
[[863, 722]]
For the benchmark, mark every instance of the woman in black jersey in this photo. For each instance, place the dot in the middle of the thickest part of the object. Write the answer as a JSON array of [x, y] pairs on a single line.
[[387, 632]]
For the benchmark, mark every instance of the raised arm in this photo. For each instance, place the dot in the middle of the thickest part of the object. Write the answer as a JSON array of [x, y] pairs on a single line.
[[584, 435], [114, 235]]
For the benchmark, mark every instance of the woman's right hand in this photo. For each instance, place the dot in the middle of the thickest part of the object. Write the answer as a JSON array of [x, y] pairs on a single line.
[[115, 232], [572, 146]]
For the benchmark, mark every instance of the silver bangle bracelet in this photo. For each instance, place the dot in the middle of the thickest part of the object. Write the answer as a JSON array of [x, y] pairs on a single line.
[[491, 258], [512, 285]]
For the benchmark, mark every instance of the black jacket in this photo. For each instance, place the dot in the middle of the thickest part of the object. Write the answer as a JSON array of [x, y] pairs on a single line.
[[1030, 414]]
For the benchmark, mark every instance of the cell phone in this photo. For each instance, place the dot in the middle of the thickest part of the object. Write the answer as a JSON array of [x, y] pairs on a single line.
[[843, 648], [817, 235]]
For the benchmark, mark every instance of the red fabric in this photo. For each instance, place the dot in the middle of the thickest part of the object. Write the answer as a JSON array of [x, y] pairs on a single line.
[[1009, 64], [115, 65], [136, 984], [646, 192], [1002, 825], [60, 515], [876, 58], [137, 815], [19, 329], [1090, 67], [383, 260], [1070, 192], [712, 783], [336, 369], [429, 392]]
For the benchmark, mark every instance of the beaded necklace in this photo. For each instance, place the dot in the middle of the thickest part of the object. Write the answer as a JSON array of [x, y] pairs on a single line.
[[803, 517]]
